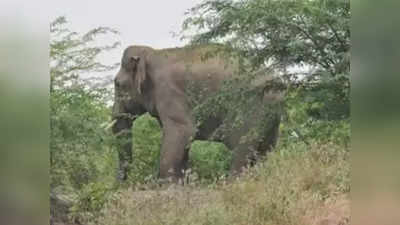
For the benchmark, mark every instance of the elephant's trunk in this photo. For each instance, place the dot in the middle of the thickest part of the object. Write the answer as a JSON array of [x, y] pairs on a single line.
[[121, 127]]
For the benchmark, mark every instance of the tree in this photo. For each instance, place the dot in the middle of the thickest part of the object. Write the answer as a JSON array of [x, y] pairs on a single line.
[[77, 108], [313, 35], [313, 32], [81, 159], [73, 55]]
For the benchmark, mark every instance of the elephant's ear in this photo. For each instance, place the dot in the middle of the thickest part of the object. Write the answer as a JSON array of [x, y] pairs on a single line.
[[141, 73]]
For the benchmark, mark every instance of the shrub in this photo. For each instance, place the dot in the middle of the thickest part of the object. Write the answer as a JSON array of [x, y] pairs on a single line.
[[209, 160], [90, 200], [146, 149], [79, 145]]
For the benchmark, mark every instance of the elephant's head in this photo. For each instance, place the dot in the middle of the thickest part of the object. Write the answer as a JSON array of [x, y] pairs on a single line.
[[130, 82]]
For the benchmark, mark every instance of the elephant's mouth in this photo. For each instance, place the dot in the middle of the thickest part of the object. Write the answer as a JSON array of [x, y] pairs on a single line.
[[127, 107]]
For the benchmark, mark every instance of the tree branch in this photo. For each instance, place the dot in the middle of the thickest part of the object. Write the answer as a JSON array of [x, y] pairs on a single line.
[[342, 42]]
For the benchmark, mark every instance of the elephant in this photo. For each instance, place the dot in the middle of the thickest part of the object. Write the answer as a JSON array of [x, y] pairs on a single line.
[[182, 89]]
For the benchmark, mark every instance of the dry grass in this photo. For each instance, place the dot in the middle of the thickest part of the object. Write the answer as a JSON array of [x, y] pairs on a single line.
[[335, 211], [294, 187]]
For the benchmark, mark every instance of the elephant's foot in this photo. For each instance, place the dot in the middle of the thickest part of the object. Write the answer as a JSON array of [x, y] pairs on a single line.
[[172, 177], [122, 174], [170, 181]]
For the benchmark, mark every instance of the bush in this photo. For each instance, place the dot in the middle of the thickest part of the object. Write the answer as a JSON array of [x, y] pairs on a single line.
[[299, 125], [146, 149], [83, 163], [90, 200], [79, 144], [209, 160]]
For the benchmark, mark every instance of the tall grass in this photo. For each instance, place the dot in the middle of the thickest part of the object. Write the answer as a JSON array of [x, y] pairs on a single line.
[[301, 184]]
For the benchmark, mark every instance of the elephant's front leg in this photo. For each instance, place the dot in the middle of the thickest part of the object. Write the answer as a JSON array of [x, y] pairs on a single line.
[[174, 149]]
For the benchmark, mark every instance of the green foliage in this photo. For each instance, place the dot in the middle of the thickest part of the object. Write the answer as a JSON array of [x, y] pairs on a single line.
[[79, 143], [146, 149], [82, 161], [291, 31], [209, 160], [90, 200], [313, 35], [300, 126]]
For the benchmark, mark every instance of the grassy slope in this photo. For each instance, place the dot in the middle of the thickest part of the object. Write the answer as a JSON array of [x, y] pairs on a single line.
[[303, 185]]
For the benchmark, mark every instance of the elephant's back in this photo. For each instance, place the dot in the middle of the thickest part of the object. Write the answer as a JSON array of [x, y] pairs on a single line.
[[193, 64], [195, 71], [200, 61]]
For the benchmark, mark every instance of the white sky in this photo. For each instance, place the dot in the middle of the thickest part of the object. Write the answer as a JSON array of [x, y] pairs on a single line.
[[145, 22], [140, 22]]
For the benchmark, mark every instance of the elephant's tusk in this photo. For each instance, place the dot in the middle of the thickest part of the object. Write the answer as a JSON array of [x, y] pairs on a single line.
[[110, 125]]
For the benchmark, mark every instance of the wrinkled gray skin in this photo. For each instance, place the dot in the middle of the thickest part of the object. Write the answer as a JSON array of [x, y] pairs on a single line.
[[156, 81]]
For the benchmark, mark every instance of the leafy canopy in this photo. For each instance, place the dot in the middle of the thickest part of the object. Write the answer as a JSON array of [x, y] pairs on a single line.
[[306, 41]]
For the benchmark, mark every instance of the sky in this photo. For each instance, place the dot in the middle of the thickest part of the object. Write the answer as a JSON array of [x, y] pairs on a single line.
[[140, 22], [145, 22]]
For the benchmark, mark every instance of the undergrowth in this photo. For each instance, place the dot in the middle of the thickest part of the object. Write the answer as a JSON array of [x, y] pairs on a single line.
[[286, 189]]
